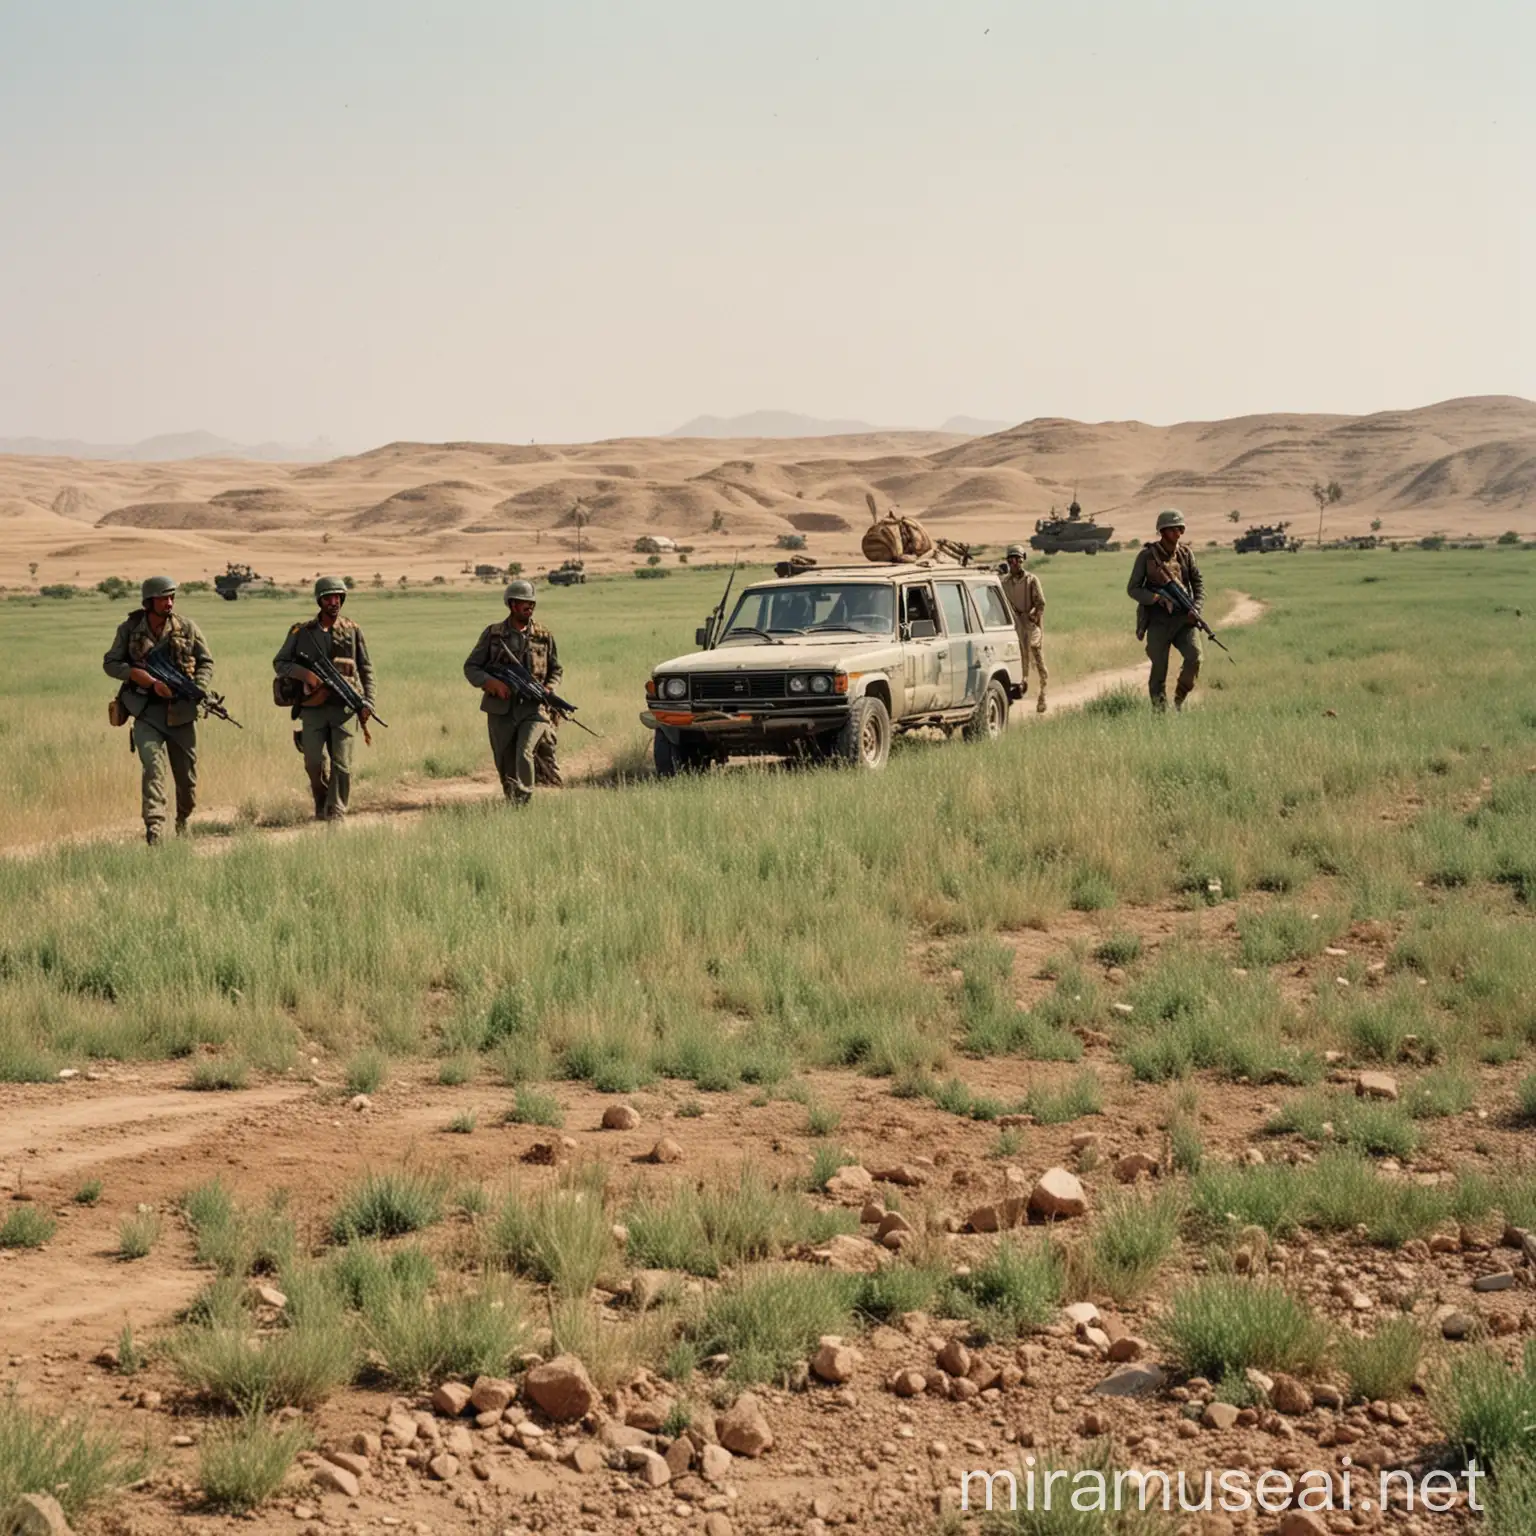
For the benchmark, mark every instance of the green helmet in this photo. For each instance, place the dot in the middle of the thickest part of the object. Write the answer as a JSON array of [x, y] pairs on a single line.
[[1169, 519], [1019, 550], [157, 586], [327, 584], [519, 592]]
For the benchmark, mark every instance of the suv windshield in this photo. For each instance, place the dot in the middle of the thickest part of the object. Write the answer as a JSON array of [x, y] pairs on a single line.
[[864, 608]]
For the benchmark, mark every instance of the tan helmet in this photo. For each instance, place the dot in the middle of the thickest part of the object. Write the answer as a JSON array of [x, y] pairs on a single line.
[[324, 585], [1172, 518], [156, 586], [519, 592], [1017, 550]]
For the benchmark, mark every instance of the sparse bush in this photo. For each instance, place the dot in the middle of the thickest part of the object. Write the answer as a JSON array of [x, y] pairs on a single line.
[[130, 1358], [825, 1161], [366, 1072], [138, 1234], [389, 1205], [899, 1288], [821, 1119], [28, 1226], [1058, 1106], [532, 1107], [1015, 1290], [241, 1465], [88, 1193], [769, 1319], [464, 1124], [1486, 1408], [1383, 1365], [298, 1367], [1129, 1242], [455, 1071], [1525, 1099], [42, 1452], [414, 1342], [217, 1074], [1223, 1326], [1118, 949], [561, 1236]]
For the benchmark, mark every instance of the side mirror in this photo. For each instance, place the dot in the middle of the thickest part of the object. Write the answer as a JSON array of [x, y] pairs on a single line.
[[922, 629], [701, 636]]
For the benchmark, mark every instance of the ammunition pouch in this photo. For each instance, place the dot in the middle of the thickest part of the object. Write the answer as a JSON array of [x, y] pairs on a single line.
[[286, 691], [116, 714]]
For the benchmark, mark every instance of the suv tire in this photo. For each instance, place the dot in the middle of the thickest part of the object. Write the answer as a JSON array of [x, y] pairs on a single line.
[[991, 717], [865, 739], [674, 757]]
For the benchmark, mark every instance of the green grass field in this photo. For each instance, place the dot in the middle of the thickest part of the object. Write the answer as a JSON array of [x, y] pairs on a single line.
[[1370, 757]]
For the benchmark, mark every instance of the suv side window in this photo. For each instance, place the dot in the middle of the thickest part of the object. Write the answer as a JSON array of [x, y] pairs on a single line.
[[993, 605], [952, 601], [917, 604]]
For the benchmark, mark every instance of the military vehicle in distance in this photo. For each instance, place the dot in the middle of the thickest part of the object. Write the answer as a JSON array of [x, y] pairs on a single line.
[[1070, 535], [570, 573], [1264, 539], [235, 577]]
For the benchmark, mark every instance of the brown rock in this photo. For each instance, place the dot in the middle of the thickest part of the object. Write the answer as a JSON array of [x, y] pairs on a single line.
[[1056, 1194], [35, 1514], [491, 1394], [909, 1383], [853, 1255], [451, 1399], [716, 1524], [562, 1388], [1457, 1326], [1495, 1282], [1137, 1165], [269, 1296], [679, 1456], [444, 1467], [348, 1461], [834, 1362], [1289, 1395], [335, 1479], [1126, 1348], [715, 1463], [850, 1185], [653, 1469], [962, 1389], [649, 1286], [666, 1151], [742, 1429], [892, 1221], [620, 1117], [1376, 1085], [544, 1153], [999, 1215], [907, 1175], [955, 1359], [1221, 1416], [401, 1429], [649, 1416], [1302, 1522], [584, 1457]]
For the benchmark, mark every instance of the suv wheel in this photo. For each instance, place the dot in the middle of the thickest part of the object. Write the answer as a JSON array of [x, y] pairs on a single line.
[[675, 757], [865, 739], [991, 717]]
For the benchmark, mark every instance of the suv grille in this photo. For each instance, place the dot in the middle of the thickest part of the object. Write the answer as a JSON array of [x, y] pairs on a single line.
[[729, 687]]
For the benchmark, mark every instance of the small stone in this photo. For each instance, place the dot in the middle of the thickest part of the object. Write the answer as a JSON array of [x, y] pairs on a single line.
[[1495, 1282], [269, 1296], [348, 1461], [999, 1215], [365, 1444], [1289, 1395], [1057, 1193], [401, 1429], [451, 1399], [909, 1383], [1376, 1085], [892, 1221], [1126, 1348], [851, 1184], [1222, 1416], [1457, 1326], [1081, 1313], [1131, 1381], [679, 1456], [742, 1429], [620, 1117], [653, 1469], [907, 1175], [834, 1362], [1122, 1008], [666, 1151], [1137, 1165], [1327, 1397], [35, 1514], [491, 1394], [562, 1388], [715, 1463], [716, 1524], [584, 1457], [360, 1102], [444, 1467], [335, 1479]]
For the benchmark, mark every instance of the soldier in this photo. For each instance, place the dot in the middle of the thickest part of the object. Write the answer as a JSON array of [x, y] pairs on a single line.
[[546, 765], [1157, 620], [164, 729], [516, 725], [1027, 600], [325, 727]]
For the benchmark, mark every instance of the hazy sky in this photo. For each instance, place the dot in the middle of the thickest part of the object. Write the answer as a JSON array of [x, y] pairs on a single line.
[[561, 219]]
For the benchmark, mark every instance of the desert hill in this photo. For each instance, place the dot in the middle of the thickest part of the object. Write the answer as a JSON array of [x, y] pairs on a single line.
[[1465, 466]]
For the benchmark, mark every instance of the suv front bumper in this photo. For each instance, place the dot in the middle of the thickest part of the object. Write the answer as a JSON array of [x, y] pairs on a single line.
[[746, 728]]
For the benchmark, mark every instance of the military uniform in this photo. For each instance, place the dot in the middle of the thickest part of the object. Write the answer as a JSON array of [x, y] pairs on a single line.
[[327, 730], [1027, 599], [1160, 629], [162, 731], [516, 726]]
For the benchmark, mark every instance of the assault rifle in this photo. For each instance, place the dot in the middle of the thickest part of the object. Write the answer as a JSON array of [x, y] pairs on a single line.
[[164, 670], [341, 690], [525, 685], [1182, 602]]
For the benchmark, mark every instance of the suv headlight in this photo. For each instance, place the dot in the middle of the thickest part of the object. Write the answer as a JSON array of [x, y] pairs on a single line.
[[821, 683], [674, 688], [797, 685]]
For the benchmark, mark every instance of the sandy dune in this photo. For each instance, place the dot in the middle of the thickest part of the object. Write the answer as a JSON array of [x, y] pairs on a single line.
[[424, 509]]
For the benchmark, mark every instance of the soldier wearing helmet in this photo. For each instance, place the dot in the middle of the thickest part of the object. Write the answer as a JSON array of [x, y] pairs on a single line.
[[517, 726], [327, 730], [164, 729], [1027, 599], [1158, 622]]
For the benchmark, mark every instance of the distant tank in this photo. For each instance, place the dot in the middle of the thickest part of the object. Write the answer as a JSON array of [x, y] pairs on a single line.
[[1264, 538], [1070, 535], [235, 577], [571, 573]]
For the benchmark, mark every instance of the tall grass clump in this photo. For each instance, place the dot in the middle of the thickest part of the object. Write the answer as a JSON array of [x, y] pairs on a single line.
[[43, 1453], [389, 1205], [530, 1106], [1131, 1239], [992, 1023], [768, 1319], [1382, 1366], [229, 1366], [220, 1074], [561, 1236], [28, 1226], [137, 1235], [1486, 1408], [1015, 1290], [243, 1463], [413, 1341], [1223, 1326], [1058, 1106], [366, 1071]]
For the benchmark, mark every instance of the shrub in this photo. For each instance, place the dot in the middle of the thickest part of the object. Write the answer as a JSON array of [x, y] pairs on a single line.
[[1118, 949], [366, 1072], [28, 1226], [825, 1162], [41, 1452], [531, 1107], [219, 1075], [1486, 1408], [463, 1124], [241, 1465], [769, 1319], [1016, 1289], [138, 1234], [299, 1367], [1130, 1240], [652, 572], [561, 1236], [1223, 1326], [1382, 1365], [1525, 1099], [1060, 1105], [415, 1342], [389, 1205], [88, 1193]]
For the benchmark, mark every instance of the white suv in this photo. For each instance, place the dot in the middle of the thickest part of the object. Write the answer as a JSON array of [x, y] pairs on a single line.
[[827, 662]]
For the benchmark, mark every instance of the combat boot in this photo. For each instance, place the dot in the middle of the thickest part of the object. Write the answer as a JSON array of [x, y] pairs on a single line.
[[1040, 705], [152, 836]]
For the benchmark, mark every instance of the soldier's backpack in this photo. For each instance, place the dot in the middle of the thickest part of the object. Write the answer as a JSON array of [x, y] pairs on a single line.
[[895, 539]]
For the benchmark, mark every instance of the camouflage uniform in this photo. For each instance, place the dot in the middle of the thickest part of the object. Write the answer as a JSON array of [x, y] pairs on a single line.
[[327, 730], [516, 726], [1163, 630], [1027, 599], [163, 731]]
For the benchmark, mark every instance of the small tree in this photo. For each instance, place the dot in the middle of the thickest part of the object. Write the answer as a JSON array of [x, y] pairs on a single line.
[[716, 525], [1234, 516], [378, 578], [1509, 537], [349, 582], [514, 569], [405, 581], [1375, 525], [653, 559]]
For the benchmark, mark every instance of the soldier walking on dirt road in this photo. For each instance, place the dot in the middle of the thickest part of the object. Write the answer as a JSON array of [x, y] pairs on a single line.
[[163, 729], [1027, 599], [1163, 626], [326, 734], [516, 725]]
